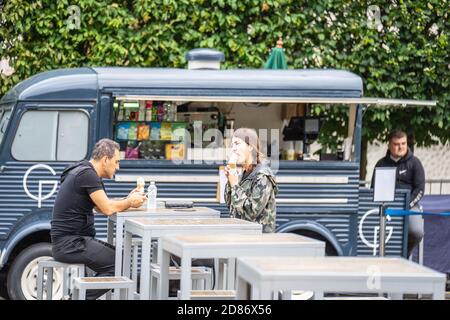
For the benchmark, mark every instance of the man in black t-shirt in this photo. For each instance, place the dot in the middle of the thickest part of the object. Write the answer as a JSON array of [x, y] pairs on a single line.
[[72, 227]]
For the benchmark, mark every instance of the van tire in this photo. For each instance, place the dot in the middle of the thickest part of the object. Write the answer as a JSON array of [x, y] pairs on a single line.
[[20, 263], [330, 250]]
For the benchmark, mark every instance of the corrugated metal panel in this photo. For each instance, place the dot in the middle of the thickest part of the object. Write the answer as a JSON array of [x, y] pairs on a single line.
[[394, 246], [15, 203], [204, 190]]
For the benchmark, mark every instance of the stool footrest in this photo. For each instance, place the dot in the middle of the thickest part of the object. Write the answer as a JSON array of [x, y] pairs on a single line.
[[106, 282], [212, 294], [104, 279]]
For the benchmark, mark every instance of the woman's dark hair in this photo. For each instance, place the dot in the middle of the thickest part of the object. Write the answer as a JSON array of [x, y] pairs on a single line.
[[250, 137]]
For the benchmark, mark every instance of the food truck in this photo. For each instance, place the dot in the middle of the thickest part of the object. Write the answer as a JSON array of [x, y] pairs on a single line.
[[173, 126]]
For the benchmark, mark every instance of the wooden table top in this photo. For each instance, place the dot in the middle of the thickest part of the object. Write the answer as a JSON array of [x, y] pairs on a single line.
[[236, 239], [337, 265], [190, 221], [195, 210]]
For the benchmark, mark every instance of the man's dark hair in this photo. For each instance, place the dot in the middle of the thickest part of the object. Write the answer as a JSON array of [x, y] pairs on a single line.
[[105, 147], [396, 134]]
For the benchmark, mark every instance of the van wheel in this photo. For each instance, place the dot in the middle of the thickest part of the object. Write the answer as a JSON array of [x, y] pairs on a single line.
[[330, 251], [22, 276]]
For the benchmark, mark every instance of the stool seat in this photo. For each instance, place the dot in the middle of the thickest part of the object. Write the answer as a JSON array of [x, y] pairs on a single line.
[[50, 264], [123, 284]]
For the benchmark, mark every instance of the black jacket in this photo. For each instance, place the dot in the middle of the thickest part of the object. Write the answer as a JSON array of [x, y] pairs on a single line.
[[410, 174]]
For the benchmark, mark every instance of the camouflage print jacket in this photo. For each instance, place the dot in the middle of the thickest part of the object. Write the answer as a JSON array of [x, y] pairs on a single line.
[[253, 198]]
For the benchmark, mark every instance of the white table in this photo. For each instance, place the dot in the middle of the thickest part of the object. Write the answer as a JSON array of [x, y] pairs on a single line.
[[149, 229], [119, 219], [395, 276], [229, 246]]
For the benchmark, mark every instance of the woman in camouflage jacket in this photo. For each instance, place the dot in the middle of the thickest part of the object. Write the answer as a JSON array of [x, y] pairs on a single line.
[[251, 195]]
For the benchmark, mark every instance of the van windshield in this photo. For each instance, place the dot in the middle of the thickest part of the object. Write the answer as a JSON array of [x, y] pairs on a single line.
[[5, 112]]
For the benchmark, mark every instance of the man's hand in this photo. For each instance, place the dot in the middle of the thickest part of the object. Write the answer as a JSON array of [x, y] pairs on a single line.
[[136, 199], [109, 207], [136, 190]]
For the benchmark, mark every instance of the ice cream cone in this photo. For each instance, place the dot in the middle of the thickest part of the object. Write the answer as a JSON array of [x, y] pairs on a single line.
[[140, 183]]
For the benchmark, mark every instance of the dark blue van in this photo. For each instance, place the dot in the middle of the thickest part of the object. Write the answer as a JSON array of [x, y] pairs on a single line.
[[54, 118]]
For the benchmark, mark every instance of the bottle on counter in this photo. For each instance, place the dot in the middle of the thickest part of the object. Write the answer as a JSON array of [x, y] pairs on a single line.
[[141, 115], [155, 111], [298, 150], [290, 151], [120, 111], [148, 111], [151, 195], [166, 111]]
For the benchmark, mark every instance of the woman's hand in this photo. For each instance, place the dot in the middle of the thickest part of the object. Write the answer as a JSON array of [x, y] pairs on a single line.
[[232, 176]]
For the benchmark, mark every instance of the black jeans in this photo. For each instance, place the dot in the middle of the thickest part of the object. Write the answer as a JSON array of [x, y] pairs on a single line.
[[97, 255]]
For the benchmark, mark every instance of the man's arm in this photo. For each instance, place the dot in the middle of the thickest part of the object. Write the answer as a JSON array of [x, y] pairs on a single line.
[[418, 186], [107, 206]]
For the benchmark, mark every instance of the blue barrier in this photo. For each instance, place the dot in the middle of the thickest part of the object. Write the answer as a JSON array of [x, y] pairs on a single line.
[[398, 212]]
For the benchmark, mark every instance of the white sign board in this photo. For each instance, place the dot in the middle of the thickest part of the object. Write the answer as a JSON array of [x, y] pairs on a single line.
[[384, 185]]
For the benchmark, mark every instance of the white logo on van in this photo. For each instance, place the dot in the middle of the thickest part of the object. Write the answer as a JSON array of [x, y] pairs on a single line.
[[41, 183], [376, 230]]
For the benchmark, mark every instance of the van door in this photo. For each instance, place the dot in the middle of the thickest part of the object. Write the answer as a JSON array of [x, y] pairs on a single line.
[[41, 140]]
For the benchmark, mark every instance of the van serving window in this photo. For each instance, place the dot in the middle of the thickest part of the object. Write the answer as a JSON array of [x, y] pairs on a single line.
[[63, 136], [198, 129]]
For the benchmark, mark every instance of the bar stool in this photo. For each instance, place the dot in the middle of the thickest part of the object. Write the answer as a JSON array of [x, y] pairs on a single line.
[[201, 278], [69, 271], [82, 284]]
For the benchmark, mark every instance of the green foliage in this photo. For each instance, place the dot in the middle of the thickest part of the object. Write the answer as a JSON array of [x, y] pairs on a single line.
[[413, 63]]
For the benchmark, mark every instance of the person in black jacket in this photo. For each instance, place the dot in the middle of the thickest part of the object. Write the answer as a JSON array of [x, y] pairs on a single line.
[[411, 176]]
